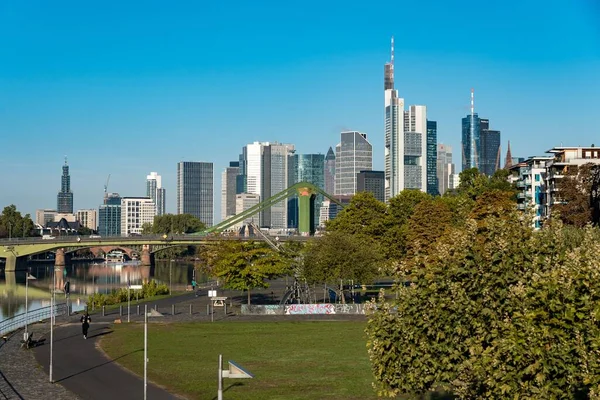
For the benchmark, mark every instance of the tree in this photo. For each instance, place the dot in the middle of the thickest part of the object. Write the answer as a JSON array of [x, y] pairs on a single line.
[[84, 231], [174, 224], [577, 195], [429, 221], [365, 215], [341, 256], [246, 265], [13, 224], [400, 209], [494, 310]]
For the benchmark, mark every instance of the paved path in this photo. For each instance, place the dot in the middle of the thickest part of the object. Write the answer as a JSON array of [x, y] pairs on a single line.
[[85, 370], [82, 371]]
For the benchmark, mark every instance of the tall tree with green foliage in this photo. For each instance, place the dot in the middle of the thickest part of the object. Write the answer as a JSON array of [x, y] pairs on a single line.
[[494, 310], [176, 224], [340, 256], [576, 196], [365, 215], [247, 265], [13, 224]]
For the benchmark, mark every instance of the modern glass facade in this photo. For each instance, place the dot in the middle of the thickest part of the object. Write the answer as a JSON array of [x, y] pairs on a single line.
[[156, 192], [330, 172], [352, 155], [109, 216], [195, 190], [310, 168], [470, 141], [490, 151], [373, 182], [229, 189], [432, 182], [64, 201]]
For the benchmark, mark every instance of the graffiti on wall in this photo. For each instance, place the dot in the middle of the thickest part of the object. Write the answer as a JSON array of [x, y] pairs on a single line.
[[307, 309], [295, 309]]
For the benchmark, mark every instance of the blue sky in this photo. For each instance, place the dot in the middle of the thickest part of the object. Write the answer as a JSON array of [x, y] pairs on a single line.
[[125, 88]]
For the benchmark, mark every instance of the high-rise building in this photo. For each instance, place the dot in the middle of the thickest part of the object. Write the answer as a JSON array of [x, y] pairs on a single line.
[[309, 168], [353, 154], [480, 144], [394, 133], [415, 148], [489, 161], [109, 215], [135, 212], [156, 192], [88, 218], [43, 216], [373, 182], [195, 190], [229, 187], [445, 168], [244, 201], [65, 196], [432, 182], [330, 172], [265, 167]]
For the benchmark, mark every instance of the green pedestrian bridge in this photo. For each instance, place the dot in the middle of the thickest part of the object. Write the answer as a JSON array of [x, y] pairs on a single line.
[[16, 250]]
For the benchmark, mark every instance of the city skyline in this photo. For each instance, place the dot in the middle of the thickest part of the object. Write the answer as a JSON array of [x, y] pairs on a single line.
[[170, 102]]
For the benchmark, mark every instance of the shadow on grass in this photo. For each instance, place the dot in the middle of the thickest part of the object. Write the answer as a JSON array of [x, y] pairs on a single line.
[[99, 365], [256, 298], [229, 387]]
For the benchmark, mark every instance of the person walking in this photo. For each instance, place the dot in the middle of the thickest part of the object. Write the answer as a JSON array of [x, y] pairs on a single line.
[[194, 287], [85, 324]]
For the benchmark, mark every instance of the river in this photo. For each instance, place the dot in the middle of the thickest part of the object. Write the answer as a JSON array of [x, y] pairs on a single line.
[[85, 279]]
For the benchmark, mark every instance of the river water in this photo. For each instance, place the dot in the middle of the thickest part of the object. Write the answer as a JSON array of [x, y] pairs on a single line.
[[85, 279]]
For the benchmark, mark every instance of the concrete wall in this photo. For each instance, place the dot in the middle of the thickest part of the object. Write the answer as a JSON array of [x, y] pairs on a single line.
[[305, 309]]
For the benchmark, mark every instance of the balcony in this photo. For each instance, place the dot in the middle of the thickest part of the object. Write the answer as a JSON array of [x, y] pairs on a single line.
[[520, 184], [521, 206]]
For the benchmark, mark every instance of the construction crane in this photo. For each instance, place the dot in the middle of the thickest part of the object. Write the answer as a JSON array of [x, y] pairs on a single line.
[[106, 188]]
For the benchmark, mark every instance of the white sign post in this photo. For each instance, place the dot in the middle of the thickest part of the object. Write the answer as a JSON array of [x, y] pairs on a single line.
[[234, 372]]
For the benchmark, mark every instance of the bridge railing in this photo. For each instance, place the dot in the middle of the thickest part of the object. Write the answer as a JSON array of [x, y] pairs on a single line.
[[20, 320]]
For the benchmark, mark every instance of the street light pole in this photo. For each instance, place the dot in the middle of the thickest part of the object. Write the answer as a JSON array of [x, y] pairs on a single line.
[[170, 281], [53, 303], [26, 302]]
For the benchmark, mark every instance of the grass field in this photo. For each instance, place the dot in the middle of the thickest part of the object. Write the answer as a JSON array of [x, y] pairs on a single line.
[[289, 360]]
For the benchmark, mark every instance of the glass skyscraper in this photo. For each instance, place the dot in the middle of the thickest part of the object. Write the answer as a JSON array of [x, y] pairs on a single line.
[[156, 192], [470, 141], [109, 216], [308, 168], [373, 182], [490, 150], [353, 154], [432, 182], [485, 155], [330, 172], [195, 190], [65, 196]]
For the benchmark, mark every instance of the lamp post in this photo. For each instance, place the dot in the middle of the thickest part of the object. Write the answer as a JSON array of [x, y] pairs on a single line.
[[27, 278], [170, 280], [53, 304]]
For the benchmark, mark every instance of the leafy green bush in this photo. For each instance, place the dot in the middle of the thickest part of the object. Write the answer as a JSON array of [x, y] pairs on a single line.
[[494, 310], [149, 289]]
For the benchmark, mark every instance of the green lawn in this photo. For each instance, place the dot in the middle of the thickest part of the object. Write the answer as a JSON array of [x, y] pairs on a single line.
[[289, 360]]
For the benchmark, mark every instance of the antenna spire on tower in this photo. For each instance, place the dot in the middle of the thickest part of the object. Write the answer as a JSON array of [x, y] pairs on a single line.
[[392, 59]]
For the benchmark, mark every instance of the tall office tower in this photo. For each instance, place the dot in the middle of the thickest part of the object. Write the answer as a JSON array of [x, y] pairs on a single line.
[[330, 172], [415, 148], [490, 154], [109, 216], [445, 168], [309, 168], [265, 167], [65, 196], [394, 133], [471, 134], [353, 154], [229, 188], [88, 218], [156, 192], [43, 216], [135, 212], [373, 182], [244, 201], [432, 182], [195, 190]]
